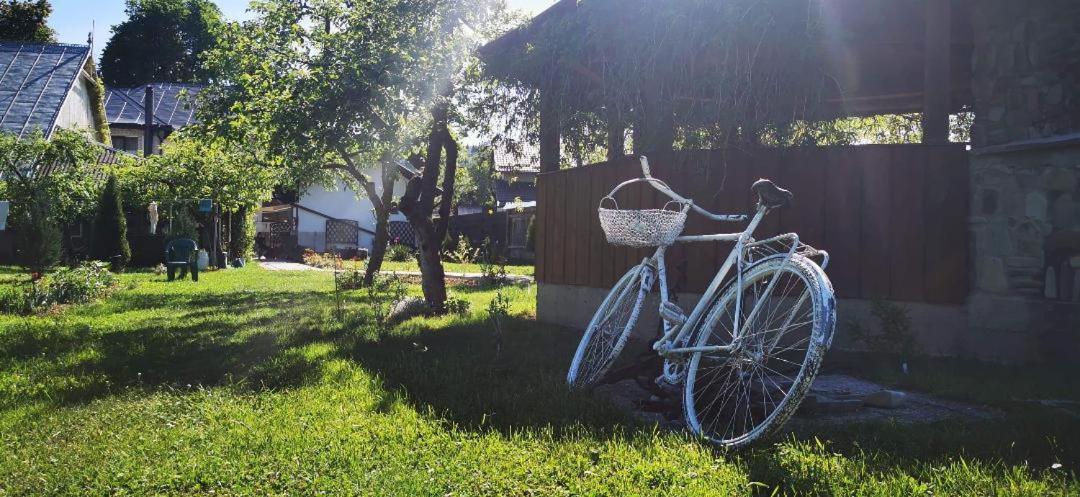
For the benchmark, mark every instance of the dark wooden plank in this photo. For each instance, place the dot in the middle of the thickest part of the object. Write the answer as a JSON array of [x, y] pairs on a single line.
[[573, 226], [584, 221], [597, 242], [805, 177], [698, 171], [675, 256], [556, 266], [906, 237], [733, 198], [843, 220], [768, 166], [875, 222], [945, 225], [612, 270]]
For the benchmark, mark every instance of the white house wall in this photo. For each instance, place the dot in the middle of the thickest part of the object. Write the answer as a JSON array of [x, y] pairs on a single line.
[[341, 202], [77, 110]]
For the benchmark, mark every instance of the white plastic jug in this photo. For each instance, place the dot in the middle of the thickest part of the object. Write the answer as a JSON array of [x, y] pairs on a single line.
[[203, 260]]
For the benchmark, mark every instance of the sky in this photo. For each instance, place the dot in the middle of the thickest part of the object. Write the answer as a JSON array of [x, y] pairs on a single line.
[[73, 19]]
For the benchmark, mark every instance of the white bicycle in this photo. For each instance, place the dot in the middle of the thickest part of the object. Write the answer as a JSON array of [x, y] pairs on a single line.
[[749, 350]]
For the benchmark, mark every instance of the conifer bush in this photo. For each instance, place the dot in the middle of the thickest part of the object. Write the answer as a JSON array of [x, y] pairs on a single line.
[[109, 242]]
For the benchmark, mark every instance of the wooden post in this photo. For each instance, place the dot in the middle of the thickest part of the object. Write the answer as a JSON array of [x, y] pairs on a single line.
[[549, 132], [616, 137], [654, 128], [938, 71]]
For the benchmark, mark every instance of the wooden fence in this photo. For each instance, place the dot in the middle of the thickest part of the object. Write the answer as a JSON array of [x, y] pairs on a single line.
[[893, 217]]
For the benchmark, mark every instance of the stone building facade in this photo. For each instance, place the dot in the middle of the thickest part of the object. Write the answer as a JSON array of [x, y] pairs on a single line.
[[1025, 179]]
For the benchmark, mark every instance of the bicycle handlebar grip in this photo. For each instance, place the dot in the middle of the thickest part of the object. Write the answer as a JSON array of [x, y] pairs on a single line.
[[645, 167]]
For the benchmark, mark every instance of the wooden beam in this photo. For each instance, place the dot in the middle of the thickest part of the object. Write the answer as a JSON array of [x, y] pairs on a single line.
[[549, 132], [938, 71]]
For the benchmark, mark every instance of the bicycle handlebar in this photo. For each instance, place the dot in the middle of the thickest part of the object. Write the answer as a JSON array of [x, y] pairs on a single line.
[[662, 187]]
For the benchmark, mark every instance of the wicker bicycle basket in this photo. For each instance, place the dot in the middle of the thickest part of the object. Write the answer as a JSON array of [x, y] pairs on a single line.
[[641, 228]]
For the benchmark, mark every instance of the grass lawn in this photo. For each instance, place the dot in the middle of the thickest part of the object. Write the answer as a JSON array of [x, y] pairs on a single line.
[[450, 267], [247, 383]]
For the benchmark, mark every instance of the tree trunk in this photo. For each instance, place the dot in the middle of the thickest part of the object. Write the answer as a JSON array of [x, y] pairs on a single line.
[[418, 205], [378, 248], [433, 277]]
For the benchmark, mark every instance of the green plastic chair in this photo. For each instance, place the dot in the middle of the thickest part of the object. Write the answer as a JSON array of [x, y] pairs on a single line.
[[180, 253]]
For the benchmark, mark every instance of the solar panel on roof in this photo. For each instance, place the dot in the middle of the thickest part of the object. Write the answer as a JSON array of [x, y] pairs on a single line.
[[35, 79]]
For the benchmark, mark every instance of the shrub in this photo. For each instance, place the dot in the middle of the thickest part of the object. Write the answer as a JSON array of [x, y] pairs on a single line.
[[87, 282], [15, 300], [498, 311], [38, 238], [459, 250], [350, 279], [384, 293], [457, 305], [399, 253], [183, 224], [894, 336], [109, 241], [492, 265], [321, 261], [530, 235], [242, 235]]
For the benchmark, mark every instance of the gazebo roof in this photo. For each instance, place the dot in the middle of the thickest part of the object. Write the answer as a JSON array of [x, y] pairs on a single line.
[[871, 52]]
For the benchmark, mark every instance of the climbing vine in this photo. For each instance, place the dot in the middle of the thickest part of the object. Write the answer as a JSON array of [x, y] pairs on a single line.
[[96, 89]]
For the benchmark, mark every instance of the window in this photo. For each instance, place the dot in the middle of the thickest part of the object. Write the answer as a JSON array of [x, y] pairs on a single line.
[[519, 231], [126, 143]]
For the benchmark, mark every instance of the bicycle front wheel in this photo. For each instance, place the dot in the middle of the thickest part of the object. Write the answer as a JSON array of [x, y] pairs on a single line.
[[785, 324], [610, 327]]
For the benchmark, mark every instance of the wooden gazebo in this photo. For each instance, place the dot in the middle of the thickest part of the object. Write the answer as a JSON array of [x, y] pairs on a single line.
[[869, 56]]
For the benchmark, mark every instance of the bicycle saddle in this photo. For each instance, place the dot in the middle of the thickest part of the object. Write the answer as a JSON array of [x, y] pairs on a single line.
[[770, 195]]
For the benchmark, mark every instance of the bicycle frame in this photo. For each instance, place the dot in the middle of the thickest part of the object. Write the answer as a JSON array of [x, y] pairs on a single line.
[[678, 334]]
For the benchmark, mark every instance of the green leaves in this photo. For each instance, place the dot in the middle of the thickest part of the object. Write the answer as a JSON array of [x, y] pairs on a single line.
[[26, 20], [195, 165], [59, 171], [162, 40], [313, 80]]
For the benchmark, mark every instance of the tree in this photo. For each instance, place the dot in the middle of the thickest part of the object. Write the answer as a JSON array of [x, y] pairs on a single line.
[[475, 179], [422, 197], [161, 40], [109, 240], [37, 236], [195, 164], [49, 184], [336, 86], [25, 20]]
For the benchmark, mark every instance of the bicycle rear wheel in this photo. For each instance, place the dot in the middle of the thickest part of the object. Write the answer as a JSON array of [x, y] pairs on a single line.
[[610, 327], [734, 398]]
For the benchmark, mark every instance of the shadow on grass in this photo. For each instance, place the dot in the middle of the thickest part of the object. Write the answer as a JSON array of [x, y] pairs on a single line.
[[238, 338], [254, 340], [456, 373]]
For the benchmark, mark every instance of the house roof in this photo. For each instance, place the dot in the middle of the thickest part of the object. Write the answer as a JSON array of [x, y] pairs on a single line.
[[174, 104], [35, 79], [527, 160], [514, 191], [872, 51], [107, 157]]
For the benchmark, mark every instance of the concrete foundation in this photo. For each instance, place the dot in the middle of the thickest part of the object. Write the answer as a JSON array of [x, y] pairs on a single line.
[[1011, 330]]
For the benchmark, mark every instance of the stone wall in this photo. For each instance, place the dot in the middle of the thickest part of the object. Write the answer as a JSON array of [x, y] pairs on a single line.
[[1026, 70], [1025, 179]]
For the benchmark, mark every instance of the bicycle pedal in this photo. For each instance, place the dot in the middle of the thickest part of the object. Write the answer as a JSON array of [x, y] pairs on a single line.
[[672, 313]]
